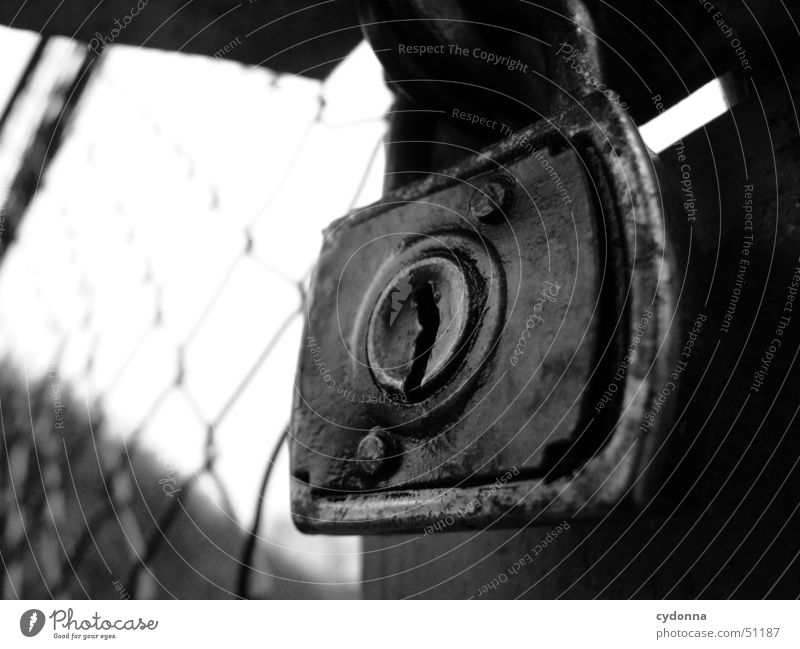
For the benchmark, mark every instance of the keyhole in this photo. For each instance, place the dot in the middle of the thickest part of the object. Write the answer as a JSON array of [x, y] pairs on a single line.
[[418, 328], [428, 318]]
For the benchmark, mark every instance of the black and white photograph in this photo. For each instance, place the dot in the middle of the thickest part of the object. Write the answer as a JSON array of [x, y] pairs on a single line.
[[360, 301]]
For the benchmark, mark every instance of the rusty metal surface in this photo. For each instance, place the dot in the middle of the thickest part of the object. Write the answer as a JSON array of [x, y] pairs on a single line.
[[510, 406], [580, 437], [722, 517], [590, 463]]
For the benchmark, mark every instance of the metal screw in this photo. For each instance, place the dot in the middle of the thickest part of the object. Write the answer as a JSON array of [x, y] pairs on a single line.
[[372, 451], [491, 198]]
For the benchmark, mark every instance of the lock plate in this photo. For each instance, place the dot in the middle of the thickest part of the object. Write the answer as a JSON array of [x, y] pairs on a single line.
[[461, 331]]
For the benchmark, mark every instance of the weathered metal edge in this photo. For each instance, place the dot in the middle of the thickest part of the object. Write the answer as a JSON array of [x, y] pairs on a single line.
[[583, 495]]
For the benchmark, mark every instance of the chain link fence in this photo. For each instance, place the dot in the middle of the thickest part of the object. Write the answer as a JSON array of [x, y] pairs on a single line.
[[153, 298]]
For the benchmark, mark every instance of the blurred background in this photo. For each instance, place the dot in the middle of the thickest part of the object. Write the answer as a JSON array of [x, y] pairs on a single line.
[[160, 216]]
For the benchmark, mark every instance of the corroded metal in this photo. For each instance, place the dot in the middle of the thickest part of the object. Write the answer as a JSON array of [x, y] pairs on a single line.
[[577, 398], [553, 327], [492, 198], [421, 325], [373, 451]]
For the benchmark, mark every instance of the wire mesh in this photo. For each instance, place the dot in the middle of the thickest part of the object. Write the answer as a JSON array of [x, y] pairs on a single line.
[[153, 297]]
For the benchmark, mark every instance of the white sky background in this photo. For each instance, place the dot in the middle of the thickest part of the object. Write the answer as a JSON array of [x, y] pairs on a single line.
[[170, 160]]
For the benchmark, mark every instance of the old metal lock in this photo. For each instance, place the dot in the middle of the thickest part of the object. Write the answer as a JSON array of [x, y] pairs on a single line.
[[461, 330]]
